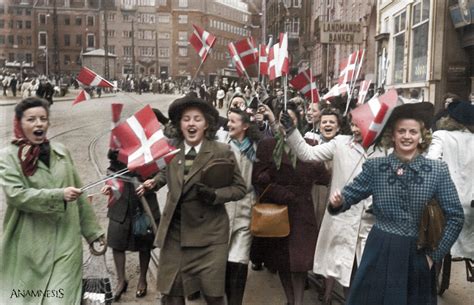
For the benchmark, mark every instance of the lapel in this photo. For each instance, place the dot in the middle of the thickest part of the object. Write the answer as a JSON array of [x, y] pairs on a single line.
[[177, 166], [204, 155]]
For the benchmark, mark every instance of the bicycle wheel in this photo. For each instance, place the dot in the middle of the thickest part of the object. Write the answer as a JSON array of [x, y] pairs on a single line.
[[443, 275]]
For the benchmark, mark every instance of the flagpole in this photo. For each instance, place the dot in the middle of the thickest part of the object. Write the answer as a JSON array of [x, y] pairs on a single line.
[[146, 206], [197, 71], [285, 90], [353, 81], [106, 178], [311, 84]]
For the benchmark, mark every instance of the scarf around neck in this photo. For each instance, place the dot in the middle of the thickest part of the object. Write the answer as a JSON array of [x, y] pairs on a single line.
[[246, 148], [29, 153]]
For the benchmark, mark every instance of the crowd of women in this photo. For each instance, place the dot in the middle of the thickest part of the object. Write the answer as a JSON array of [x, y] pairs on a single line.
[[354, 212]]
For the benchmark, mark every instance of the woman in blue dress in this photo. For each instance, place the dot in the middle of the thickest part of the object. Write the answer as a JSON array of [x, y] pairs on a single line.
[[393, 269]]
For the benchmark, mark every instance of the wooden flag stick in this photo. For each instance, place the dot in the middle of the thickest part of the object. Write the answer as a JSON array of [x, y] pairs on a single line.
[[146, 206]]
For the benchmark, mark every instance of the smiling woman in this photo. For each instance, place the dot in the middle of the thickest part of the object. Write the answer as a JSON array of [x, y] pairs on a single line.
[[46, 214]]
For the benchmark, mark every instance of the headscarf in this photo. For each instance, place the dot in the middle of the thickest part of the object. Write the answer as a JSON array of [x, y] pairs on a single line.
[[29, 153], [246, 147]]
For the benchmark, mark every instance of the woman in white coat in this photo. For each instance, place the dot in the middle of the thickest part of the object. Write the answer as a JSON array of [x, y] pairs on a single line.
[[344, 234], [243, 137], [452, 145]]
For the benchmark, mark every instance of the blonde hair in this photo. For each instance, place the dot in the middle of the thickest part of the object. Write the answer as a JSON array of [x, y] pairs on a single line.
[[426, 137]]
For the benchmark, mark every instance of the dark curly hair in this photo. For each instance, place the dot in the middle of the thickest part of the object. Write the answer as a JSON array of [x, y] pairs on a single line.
[[210, 133], [253, 133], [28, 103]]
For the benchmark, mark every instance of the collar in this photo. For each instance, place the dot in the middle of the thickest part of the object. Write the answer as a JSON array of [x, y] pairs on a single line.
[[187, 147], [413, 164]]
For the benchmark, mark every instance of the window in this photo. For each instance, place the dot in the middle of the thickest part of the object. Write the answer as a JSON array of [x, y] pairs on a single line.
[[67, 59], [399, 47], [78, 60], [111, 17], [182, 19], [27, 12], [2, 39], [19, 24], [78, 20], [183, 51], [2, 23], [183, 3], [18, 11], [182, 36], [90, 20], [163, 19], [67, 20], [29, 41], [418, 67], [127, 51], [42, 39], [11, 56], [164, 35], [28, 24], [126, 18], [42, 18], [110, 33], [90, 40], [111, 49], [164, 52], [28, 57], [147, 18], [296, 3], [296, 26], [67, 40], [19, 40], [79, 40], [147, 51]]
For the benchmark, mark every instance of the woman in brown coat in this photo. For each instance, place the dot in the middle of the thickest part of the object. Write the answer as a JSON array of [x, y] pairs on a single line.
[[289, 182]]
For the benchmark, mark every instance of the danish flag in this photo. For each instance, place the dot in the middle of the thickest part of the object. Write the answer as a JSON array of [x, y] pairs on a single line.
[[239, 65], [202, 41], [372, 116], [83, 96], [305, 82], [363, 90], [336, 90], [116, 111], [263, 60], [350, 67], [117, 187], [144, 149], [87, 77], [278, 62]]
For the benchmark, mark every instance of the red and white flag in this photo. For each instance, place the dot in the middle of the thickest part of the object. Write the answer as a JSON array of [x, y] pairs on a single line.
[[263, 60], [83, 96], [307, 86], [363, 90], [202, 41], [278, 61], [87, 77], [350, 66], [116, 111], [239, 65], [372, 116], [117, 187], [336, 90], [143, 142]]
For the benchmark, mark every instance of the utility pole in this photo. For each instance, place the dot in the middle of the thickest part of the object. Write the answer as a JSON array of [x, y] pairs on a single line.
[[106, 41], [56, 59], [134, 69], [157, 54]]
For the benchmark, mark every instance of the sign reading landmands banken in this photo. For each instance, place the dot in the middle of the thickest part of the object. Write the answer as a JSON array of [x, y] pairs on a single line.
[[341, 32]]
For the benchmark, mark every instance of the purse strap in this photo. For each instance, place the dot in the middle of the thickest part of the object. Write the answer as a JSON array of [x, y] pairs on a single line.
[[263, 193]]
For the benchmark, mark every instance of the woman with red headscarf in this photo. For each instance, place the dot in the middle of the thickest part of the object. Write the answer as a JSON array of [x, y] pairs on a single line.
[[41, 251]]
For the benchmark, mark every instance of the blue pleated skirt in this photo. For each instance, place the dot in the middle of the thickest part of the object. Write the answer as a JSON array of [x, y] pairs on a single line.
[[393, 272]]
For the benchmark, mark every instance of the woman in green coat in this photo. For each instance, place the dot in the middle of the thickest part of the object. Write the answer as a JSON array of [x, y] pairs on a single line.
[[41, 251]]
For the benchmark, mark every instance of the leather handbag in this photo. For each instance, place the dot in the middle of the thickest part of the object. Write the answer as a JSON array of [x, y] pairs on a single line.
[[269, 219], [431, 226]]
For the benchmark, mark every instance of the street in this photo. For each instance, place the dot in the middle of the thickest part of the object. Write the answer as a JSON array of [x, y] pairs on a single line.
[[84, 130]]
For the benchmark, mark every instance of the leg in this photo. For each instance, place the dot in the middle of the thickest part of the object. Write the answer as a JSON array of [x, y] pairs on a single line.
[[285, 279], [214, 300], [172, 300], [144, 262], [236, 278], [298, 280], [329, 285], [119, 260]]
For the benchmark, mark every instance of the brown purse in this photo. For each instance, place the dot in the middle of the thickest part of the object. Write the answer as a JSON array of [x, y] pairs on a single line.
[[269, 219], [431, 226]]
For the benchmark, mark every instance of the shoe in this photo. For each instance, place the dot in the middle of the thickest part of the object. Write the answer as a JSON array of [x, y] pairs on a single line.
[[257, 267], [141, 292], [118, 294], [194, 296]]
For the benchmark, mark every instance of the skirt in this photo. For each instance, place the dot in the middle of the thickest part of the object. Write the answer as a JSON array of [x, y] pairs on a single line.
[[393, 272], [185, 270]]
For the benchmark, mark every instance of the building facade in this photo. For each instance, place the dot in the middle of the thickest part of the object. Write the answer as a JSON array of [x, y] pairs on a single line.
[[419, 48]]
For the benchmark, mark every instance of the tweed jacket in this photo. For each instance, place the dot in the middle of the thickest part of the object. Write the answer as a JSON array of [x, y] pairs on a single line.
[[400, 191], [202, 224]]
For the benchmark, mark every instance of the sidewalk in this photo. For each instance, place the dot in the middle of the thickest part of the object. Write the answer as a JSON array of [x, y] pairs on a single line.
[[70, 96]]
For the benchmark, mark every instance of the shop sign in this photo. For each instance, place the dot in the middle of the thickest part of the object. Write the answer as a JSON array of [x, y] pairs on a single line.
[[341, 32]]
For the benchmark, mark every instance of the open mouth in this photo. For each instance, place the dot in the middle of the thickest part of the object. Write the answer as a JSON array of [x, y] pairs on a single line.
[[38, 133], [192, 131]]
